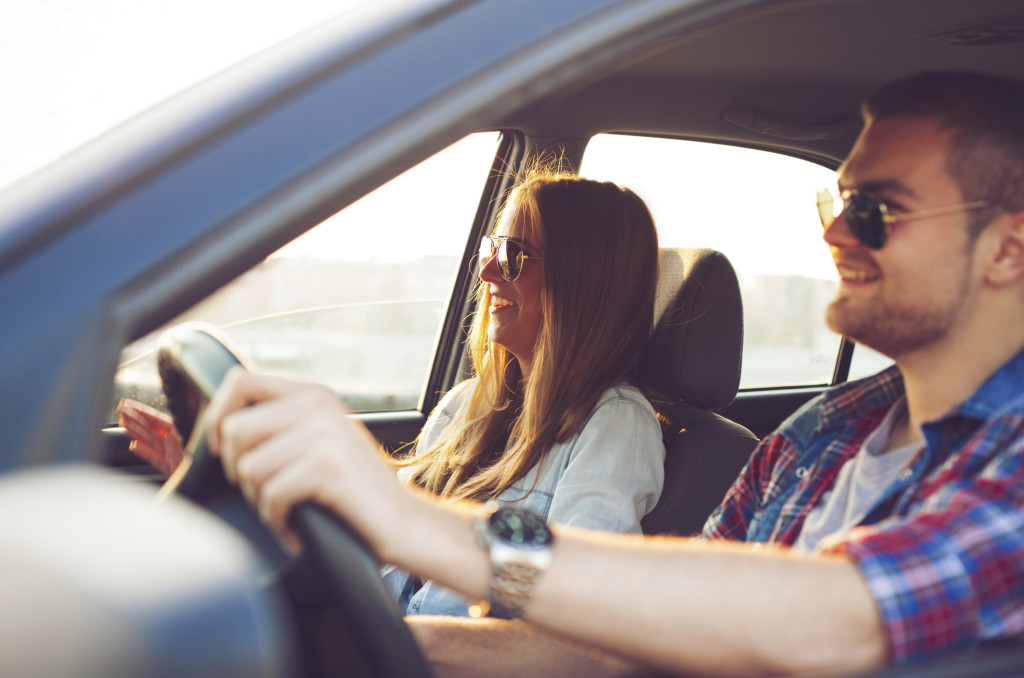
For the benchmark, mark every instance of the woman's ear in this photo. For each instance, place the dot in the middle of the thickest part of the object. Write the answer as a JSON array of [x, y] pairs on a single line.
[[1006, 266]]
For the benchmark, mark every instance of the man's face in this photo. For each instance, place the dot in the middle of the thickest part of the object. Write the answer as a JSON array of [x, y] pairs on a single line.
[[918, 289]]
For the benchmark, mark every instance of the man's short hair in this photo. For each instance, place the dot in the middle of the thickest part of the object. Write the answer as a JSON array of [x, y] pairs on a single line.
[[986, 113]]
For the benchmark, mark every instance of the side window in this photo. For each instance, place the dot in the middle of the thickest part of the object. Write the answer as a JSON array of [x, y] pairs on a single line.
[[867, 361], [357, 301], [758, 209]]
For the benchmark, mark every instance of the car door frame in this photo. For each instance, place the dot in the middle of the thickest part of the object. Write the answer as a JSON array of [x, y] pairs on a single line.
[[397, 430]]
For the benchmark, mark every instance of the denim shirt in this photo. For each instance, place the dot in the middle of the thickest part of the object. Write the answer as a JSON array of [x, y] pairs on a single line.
[[606, 477], [942, 551]]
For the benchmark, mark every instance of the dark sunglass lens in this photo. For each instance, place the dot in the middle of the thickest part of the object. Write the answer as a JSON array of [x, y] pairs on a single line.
[[503, 264], [864, 214], [510, 259]]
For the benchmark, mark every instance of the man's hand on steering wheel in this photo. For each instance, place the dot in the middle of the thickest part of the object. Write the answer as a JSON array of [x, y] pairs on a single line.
[[285, 443], [299, 458]]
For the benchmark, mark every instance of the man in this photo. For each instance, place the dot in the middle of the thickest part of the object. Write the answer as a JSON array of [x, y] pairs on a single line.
[[887, 517]]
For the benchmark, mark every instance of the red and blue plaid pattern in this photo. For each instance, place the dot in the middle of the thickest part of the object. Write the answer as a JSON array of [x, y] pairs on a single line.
[[944, 556]]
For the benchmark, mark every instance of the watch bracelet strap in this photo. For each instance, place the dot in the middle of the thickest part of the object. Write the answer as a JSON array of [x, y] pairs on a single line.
[[511, 589]]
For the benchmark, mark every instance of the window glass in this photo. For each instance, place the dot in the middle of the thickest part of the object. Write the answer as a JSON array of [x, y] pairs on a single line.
[[357, 301], [866, 362], [757, 208]]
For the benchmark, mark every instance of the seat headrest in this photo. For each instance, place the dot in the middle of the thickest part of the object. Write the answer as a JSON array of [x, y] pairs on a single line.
[[696, 348]]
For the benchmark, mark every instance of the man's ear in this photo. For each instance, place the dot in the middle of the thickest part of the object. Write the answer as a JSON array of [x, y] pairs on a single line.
[[1007, 264]]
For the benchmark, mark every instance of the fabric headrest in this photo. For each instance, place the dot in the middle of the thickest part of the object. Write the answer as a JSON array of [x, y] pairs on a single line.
[[696, 348]]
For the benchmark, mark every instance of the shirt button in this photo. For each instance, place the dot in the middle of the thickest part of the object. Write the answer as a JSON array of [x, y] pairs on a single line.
[[416, 607], [906, 473], [801, 472]]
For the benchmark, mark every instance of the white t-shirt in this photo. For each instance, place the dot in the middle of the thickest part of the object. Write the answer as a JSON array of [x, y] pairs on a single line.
[[860, 484]]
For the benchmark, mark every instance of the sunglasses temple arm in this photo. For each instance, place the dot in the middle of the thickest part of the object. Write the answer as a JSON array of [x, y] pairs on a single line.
[[935, 211]]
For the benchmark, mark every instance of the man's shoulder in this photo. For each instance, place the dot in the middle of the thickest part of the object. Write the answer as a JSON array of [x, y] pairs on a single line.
[[1001, 395], [843, 405]]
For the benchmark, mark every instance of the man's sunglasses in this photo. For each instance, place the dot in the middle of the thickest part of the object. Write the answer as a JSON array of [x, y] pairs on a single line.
[[511, 256], [869, 217]]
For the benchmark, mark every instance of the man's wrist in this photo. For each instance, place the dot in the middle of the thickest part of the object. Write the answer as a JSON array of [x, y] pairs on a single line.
[[438, 542], [519, 546]]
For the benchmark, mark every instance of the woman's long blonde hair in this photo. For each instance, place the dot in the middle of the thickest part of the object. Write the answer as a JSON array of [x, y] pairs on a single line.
[[600, 271]]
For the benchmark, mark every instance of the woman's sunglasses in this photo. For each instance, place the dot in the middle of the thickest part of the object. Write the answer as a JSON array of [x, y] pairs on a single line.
[[511, 256], [869, 217]]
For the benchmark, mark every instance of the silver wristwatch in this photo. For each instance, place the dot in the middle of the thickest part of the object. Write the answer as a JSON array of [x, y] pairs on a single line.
[[519, 543]]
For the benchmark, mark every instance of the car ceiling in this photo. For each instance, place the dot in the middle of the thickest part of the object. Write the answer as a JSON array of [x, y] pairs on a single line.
[[798, 68]]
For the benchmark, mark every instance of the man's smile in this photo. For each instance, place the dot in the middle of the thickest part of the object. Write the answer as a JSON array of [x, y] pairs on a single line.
[[855, 274]]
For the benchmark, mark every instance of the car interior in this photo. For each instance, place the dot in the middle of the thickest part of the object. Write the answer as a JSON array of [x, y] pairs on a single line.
[[781, 77], [785, 78], [692, 370]]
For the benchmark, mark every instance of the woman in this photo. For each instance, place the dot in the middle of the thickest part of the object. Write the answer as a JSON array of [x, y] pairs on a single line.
[[552, 419]]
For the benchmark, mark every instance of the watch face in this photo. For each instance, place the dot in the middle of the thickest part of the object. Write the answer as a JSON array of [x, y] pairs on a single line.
[[520, 527]]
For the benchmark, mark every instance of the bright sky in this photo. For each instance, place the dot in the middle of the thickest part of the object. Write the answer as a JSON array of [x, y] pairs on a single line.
[[73, 69]]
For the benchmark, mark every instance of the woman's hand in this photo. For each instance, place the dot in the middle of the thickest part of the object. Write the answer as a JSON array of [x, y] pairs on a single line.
[[154, 438], [285, 443]]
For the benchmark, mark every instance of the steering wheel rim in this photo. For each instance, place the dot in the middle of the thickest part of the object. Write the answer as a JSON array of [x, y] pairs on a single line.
[[192, 360]]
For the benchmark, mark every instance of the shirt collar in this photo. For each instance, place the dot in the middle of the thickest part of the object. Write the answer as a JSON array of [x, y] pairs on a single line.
[[854, 401], [858, 398], [1004, 386]]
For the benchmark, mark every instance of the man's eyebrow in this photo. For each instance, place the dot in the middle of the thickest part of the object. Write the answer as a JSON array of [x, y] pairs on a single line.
[[878, 186]]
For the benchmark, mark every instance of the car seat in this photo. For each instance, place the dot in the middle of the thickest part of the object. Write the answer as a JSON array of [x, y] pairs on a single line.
[[690, 370]]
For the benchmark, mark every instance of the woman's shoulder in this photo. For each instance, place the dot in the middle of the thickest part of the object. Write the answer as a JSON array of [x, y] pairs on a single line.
[[621, 403], [453, 399], [443, 414], [625, 393]]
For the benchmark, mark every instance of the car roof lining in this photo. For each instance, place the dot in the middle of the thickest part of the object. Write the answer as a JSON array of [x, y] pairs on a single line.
[[801, 64]]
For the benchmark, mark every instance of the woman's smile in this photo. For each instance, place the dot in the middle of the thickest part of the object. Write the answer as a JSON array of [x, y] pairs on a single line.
[[499, 303]]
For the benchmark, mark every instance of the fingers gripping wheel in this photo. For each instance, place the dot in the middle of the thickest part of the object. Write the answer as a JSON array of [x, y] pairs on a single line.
[[192, 360]]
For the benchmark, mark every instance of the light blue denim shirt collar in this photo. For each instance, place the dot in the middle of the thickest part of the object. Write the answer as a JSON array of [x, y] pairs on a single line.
[[1002, 388], [857, 399]]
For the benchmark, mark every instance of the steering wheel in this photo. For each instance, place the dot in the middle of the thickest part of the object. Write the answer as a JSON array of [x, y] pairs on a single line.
[[193, 360]]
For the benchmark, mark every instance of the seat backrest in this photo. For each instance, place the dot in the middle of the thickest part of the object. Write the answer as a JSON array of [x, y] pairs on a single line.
[[691, 369]]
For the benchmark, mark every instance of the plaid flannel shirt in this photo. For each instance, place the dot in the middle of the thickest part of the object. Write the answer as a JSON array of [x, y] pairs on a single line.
[[943, 550]]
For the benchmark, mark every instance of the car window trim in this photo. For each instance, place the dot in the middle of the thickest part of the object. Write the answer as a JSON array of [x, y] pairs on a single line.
[[449, 364]]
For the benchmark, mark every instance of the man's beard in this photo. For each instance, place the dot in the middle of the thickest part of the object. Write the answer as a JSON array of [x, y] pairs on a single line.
[[897, 328]]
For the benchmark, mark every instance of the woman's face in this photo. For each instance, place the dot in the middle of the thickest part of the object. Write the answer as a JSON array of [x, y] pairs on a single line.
[[515, 307]]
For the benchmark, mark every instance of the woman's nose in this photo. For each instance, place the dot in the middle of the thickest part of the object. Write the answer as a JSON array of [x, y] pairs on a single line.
[[489, 268]]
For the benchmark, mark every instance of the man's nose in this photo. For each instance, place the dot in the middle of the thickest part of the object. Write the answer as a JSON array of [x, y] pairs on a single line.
[[838, 233]]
